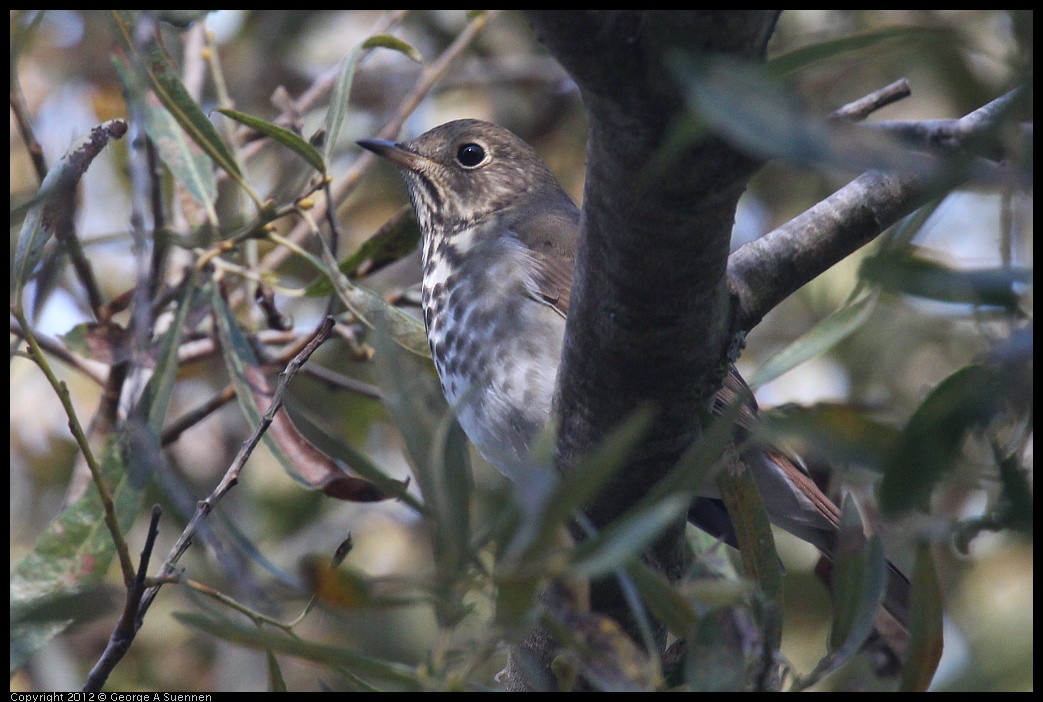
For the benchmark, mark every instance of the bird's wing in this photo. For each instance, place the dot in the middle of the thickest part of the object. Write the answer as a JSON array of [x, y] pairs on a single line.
[[792, 498], [550, 236], [734, 390]]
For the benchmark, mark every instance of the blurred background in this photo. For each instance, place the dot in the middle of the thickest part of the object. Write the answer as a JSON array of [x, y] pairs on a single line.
[[268, 525]]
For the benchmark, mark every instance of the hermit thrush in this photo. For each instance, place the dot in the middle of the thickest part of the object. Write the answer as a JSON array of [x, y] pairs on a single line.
[[499, 241]]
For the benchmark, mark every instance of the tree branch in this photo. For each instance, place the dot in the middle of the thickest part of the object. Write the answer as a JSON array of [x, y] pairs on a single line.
[[765, 272], [231, 476], [127, 627], [649, 320], [649, 317]]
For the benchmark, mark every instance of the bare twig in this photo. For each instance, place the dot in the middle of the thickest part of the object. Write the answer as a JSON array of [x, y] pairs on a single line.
[[343, 382], [951, 135], [231, 476], [61, 207], [160, 240], [201, 349], [349, 181], [20, 110], [321, 87], [104, 494], [324, 375], [863, 107], [766, 271], [58, 350], [189, 419], [126, 629]]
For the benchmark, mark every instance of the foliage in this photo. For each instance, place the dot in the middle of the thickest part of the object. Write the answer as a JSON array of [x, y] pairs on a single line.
[[422, 571]]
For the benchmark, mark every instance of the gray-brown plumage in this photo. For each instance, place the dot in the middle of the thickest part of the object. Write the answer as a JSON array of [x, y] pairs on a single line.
[[499, 238]]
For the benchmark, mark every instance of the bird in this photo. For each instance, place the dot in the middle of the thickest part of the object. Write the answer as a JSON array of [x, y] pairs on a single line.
[[499, 237]]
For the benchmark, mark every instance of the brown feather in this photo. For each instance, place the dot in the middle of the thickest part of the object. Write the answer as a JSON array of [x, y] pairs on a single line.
[[550, 235]]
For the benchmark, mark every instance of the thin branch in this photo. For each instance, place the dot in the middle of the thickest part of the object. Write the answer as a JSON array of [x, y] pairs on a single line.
[[126, 629], [330, 378], [343, 382], [58, 350], [256, 617], [204, 348], [194, 416], [105, 496], [863, 107], [62, 208], [768, 270], [160, 239], [347, 183], [321, 87], [231, 476], [20, 110]]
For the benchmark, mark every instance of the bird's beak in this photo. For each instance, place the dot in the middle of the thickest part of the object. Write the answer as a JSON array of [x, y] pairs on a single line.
[[396, 153]]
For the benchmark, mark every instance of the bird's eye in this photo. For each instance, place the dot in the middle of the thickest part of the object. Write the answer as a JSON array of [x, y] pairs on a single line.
[[470, 155]]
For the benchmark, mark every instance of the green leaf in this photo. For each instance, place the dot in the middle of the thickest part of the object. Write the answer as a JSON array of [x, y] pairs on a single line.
[[71, 555], [342, 87], [626, 537], [162, 77], [901, 234], [280, 642], [189, 167], [79, 607], [347, 460], [839, 433], [414, 399], [700, 463], [395, 239], [375, 312], [276, 682], [814, 54], [386, 41], [282, 135], [75, 550], [859, 582], [577, 487], [663, 600], [167, 86], [908, 273], [361, 465], [451, 460], [317, 469], [238, 356], [155, 400], [756, 542], [747, 105], [820, 338], [714, 661], [669, 498], [931, 441], [925, 625], [56, 202], [440, 457]]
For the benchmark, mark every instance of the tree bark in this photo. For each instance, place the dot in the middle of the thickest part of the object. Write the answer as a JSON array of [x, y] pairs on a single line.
[[657, 309], [650, 313]]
